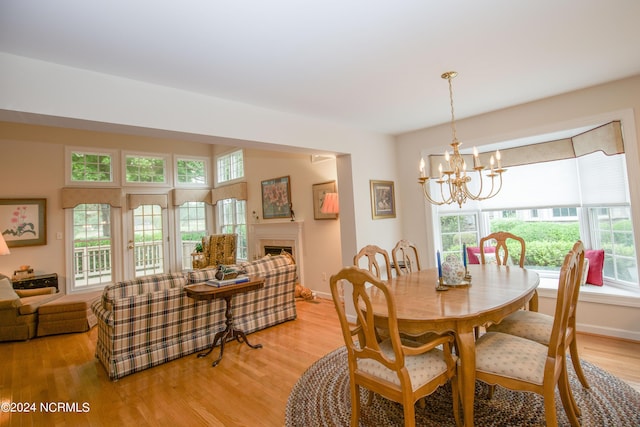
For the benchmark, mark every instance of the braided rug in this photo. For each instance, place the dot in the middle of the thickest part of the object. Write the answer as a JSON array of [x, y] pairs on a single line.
[[321, 398]]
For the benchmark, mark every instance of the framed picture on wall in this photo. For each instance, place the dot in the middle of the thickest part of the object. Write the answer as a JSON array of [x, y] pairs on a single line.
[[276, 198], [23, 222], [319, 194], [383, 199]]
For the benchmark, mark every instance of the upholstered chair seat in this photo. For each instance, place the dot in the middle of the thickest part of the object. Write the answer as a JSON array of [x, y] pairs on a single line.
[[423, 368], [526, 324], [511, 356]]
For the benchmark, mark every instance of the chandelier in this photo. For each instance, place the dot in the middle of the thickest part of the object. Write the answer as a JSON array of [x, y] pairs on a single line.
[[453, 181]]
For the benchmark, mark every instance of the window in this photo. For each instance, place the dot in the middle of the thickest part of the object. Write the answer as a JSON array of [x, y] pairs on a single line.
[[548, 238], [230, 166], [148, 234], [191, 171], [589, 201], [612, 231], [565, 212], [192, 227], [92, 244], [233, 219], [145, 169], [91, 167], [456, 230]]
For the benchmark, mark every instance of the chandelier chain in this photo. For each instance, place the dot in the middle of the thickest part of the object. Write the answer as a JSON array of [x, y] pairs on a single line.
[[453, 118]]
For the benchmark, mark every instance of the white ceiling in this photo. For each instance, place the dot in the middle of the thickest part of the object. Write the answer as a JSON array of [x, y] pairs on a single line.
[[371, 64]]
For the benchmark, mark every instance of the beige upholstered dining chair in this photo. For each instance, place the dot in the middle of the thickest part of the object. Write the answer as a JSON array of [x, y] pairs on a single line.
[[521, 364], [501, 239], [399, 372], [538, 326], [373, 253], [405, 257]]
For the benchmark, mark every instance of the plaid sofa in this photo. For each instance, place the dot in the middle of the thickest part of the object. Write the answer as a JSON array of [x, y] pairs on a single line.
[[150, 320]]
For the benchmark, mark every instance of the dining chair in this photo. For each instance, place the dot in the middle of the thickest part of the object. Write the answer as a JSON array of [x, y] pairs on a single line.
[[397, 371], [501, 250], [501, 255], [373, 253], [538, 326], [405, 257], [526, 365]]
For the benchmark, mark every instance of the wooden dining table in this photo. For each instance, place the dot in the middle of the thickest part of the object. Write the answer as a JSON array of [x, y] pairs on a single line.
[[494, 292]]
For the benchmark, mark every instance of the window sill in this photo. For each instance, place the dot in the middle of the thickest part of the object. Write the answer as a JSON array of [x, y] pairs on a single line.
[[605, 294]]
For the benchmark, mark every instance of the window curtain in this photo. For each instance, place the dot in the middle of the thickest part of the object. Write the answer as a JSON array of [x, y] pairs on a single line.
[[182, 196], [606, 138], [589, 171], [72, 196], [136, 200], [236, 191]]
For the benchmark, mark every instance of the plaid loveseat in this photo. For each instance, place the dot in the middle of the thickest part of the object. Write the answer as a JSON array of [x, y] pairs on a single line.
[[150, 320]]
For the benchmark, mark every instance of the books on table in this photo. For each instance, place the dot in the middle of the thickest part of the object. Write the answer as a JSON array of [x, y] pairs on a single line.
[[225, 282]]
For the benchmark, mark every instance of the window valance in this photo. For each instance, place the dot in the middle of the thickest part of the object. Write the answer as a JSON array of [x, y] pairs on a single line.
[[236, 191], [74, 196], [606, 138], [182, 196], [136, 200]]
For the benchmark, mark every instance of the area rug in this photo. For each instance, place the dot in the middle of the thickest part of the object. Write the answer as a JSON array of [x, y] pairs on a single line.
[[321, 398]]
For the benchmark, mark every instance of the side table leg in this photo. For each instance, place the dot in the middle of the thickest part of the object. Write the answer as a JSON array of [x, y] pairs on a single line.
[[241, 337], [228, 333]]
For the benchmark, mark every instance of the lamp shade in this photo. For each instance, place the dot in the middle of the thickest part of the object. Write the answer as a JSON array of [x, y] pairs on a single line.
[[330, 204], [4, 249]]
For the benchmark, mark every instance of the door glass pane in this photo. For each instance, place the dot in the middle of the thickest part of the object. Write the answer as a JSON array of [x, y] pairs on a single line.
[[91, 245], [148, 239]]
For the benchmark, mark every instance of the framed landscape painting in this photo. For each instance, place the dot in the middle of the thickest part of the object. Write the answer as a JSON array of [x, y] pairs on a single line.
[[276, 198], [383, 199], [23, 222]]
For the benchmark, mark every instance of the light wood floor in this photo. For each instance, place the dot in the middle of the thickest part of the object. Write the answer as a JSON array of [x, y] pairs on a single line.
[[248, 388]]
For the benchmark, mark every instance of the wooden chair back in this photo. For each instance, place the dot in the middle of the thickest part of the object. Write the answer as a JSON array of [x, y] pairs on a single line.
[[502, 251], [570, 274], [405, 257], [499, 354], [367, 355], [373, 253]]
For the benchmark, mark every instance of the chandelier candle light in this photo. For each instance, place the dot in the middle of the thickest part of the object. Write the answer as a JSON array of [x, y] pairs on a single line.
[[455, 178]]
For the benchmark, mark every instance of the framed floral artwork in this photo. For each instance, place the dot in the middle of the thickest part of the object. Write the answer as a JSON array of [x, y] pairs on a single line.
[[23, 222], [276, 198], [383, 199]]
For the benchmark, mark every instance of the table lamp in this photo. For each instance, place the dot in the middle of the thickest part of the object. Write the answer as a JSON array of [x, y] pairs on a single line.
[[4, 249], [330, 205]]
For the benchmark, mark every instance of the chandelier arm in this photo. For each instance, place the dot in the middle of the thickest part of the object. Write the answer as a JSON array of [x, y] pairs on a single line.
[[450, 199], [428, 197], [479, 195]]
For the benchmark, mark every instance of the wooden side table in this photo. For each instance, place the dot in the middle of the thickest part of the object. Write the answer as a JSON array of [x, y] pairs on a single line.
[[204, 292]]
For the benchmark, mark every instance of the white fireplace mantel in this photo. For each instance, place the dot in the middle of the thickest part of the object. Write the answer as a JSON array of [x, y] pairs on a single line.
[[278, 233]]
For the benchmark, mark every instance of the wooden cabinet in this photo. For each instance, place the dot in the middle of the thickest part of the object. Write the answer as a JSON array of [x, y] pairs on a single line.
[[41, 281]]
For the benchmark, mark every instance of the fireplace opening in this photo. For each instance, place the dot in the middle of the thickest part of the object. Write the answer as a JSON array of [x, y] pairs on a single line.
[[277, 250]]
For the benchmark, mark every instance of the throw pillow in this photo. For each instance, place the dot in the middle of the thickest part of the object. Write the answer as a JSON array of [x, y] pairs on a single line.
[[596, 265], [473, 253]]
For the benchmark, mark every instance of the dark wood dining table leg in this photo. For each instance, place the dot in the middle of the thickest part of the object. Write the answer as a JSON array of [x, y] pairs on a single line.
[[465, 339]]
